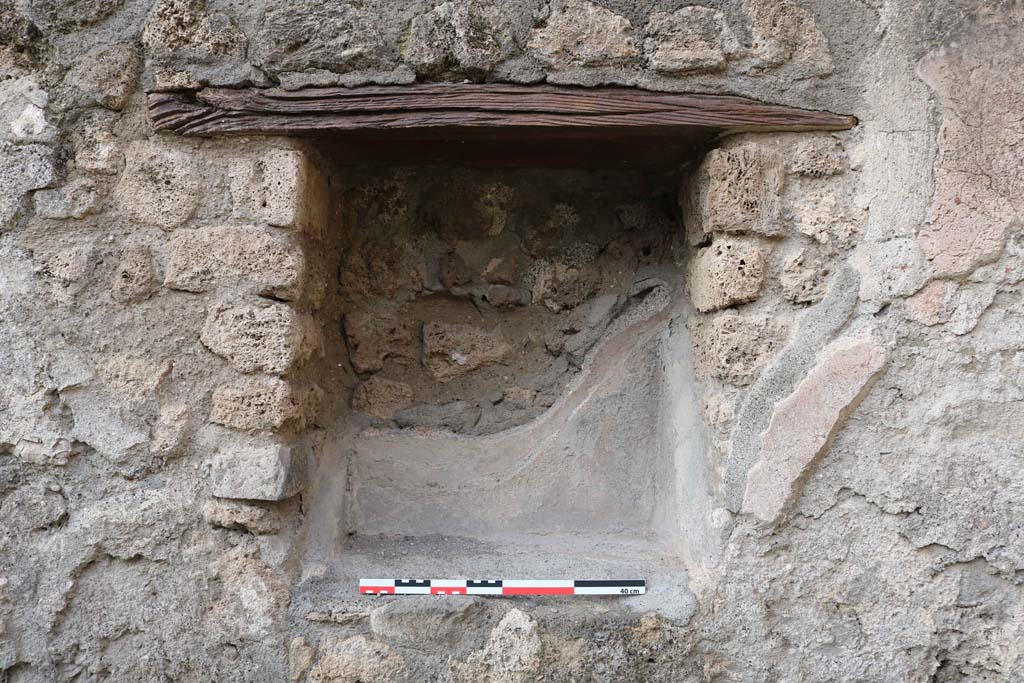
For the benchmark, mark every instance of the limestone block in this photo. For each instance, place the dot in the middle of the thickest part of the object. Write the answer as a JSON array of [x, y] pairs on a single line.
[[512, 652], [135, 276], [199, 259], [98, 153], [451, 350], [159, 186], [106, 75], [803, 425], [733, 348], [357, 659], [729, 272], [272, 338], [469, 37], [77, 199], [782, 32], [258, 472], [560, 287], [230, 514], [23, 168], [281, 188], [822, 217], [300, 658], [737, 189], [582, 33], [264, 404], [413, 623], [803, 278], [689, 39], [23, 112], [374, 337], [381, 397]]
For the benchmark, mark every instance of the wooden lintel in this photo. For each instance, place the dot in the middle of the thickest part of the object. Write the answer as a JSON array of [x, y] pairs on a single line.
[[439, 110]]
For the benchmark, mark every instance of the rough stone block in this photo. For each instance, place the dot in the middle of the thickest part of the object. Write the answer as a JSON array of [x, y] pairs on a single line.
[[229, 514], [300, 658], [281, 188], [689, 39], [803, 425], [453, 271], [581, 33], [373, 338], [159, 186], [822, 217], [98, 153], [22, 168], [735, 190], [973, 300], [733, 348], [729, 272], [512, 652], [77, 199], [502, 296], [451, 350], [559, 286], [408, 622], [469, 37], [804, 278], [199, 259], [264, 404], [357, 659], [181, 26], [454, 416], [934, 304], [258, 472], [23, 112], [783, 32], [272, 338], [107, 75], [135, 277], [381, 397], [502, 270], [818, 157], [31, 508], [171, 430]]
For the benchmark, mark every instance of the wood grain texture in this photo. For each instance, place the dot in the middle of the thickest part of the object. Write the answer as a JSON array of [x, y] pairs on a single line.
[[442, 110]]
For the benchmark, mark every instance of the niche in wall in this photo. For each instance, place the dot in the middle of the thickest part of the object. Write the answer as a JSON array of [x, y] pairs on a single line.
[[509, 389]]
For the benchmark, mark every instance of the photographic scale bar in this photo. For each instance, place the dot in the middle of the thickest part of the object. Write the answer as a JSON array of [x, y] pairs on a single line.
[[501, 587]]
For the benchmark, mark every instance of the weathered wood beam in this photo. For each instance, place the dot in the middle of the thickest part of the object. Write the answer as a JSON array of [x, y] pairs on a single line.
[[438, 110]]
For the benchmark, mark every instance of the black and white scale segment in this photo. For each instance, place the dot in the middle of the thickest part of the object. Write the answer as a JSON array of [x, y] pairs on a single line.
[[502, 587]]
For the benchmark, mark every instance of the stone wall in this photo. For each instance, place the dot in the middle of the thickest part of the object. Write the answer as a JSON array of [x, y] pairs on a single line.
[[180, 334]]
